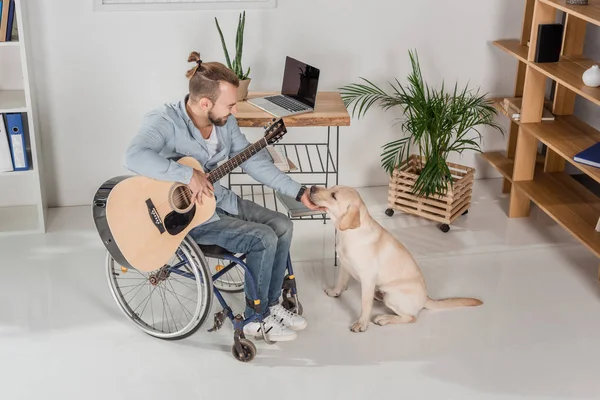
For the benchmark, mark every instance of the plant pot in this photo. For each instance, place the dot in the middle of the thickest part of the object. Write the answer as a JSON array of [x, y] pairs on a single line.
[[443, 209], [243, 89]]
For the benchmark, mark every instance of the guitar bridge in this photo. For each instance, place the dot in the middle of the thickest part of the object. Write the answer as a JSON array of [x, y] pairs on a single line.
[[154, 216]]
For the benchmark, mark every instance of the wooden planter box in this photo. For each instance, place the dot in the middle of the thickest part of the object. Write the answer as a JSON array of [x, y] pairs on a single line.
[[443, 209]]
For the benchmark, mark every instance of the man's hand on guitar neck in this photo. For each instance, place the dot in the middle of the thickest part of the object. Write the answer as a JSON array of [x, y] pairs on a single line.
[[199, 185]]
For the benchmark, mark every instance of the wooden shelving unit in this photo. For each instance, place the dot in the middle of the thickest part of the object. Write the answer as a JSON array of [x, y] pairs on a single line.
[[528, 176], [22, 198]]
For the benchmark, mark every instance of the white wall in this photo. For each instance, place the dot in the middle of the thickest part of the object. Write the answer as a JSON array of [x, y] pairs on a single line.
[[97, 73]]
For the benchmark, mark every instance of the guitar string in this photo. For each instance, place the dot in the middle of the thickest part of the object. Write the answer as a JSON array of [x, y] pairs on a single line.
[[258, 145], [184, 194]]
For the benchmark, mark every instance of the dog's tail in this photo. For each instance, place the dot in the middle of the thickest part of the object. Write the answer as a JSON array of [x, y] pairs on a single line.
[[443, 304]]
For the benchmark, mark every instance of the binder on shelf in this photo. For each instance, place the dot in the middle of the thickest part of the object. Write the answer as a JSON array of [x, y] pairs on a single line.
[[6, 164], [9, 23], [4, 19], [14, 125], [589, 156]]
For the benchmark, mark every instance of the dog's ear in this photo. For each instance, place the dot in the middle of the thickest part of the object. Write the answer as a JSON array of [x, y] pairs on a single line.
[[350, 220]]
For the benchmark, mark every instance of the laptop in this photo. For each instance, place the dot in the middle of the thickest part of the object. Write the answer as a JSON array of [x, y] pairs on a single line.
[[298, 91]]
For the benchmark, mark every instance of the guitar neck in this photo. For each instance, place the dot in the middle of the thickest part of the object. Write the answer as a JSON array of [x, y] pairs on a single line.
[[239, 159]]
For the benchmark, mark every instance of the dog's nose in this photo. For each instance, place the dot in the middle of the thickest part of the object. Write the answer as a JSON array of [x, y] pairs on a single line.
[[313, 189]]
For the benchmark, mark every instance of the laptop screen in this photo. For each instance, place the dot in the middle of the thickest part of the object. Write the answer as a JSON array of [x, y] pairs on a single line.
[[300, 81]]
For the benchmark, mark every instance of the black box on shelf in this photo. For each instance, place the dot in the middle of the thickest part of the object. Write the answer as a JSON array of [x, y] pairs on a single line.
[[549, 43]]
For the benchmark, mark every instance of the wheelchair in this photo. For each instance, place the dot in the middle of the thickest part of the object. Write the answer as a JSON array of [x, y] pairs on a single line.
[[144, 297]]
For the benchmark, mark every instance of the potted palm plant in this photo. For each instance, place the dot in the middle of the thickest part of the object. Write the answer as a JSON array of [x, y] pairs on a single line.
[[235, 64], [438, 123]]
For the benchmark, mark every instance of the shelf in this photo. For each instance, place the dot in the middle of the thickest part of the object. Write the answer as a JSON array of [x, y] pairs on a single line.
[[16, 173], [568, 73], [514, 48], [12, 101], [568, 203], [589, 12], [19, 219], [567, 136], [329, 111], [9, 44], [505, 165]]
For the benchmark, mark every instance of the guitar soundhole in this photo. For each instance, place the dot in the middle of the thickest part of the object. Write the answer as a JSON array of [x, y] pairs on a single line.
[[181, 198]]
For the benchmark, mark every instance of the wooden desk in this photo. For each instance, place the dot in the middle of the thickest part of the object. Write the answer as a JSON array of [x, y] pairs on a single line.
[[329, 111], [316, 162]]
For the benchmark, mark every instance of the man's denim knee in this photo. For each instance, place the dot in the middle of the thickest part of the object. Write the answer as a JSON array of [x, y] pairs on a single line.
[[266, 238], [284, 227]]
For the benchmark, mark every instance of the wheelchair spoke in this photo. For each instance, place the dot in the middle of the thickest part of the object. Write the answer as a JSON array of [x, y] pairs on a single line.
[[184, 282], [187, 298], [185, 278], [149, 297], [180, 303], [131, 290]]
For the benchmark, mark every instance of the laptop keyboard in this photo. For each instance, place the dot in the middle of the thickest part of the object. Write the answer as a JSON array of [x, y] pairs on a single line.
[[286, 103]]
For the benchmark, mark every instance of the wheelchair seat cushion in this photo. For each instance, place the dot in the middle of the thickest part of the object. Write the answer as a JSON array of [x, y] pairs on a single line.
[[213, 251]]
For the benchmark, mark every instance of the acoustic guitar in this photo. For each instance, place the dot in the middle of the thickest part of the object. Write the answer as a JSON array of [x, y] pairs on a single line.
[[142, 221]]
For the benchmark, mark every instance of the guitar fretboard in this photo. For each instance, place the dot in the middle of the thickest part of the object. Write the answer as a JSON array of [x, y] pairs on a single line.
[[239, 159]]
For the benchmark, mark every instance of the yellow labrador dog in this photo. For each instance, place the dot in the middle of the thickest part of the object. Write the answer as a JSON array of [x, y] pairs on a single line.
[[378, 261]]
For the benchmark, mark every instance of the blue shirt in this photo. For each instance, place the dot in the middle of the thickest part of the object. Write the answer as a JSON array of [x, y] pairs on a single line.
[[168, 133]]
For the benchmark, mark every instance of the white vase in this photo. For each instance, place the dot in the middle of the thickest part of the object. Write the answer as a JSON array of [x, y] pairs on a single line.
[[591, 77]]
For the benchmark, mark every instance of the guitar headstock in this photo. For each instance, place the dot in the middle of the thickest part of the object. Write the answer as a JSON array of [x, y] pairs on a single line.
[[275, 130]]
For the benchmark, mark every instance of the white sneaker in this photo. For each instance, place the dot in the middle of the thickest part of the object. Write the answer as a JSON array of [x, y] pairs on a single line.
[[288, 318], [275, 330]]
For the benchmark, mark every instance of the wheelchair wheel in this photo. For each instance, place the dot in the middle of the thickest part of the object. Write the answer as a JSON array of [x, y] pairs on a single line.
[[169, 303], [231, 281]]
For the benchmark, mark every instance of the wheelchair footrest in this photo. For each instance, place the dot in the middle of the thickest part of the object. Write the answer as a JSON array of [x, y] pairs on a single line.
[[218, 321]]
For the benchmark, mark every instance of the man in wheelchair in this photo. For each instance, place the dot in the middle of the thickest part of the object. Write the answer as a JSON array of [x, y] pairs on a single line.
[[202, 126]]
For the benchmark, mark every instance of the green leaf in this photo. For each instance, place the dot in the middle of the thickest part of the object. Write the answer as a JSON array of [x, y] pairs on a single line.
[[223, 44], [438, 121]]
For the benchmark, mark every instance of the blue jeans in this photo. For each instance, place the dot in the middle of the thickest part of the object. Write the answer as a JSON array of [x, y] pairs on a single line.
[[264, 235]]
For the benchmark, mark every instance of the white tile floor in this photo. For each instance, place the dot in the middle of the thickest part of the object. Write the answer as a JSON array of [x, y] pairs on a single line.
[[536, 336]]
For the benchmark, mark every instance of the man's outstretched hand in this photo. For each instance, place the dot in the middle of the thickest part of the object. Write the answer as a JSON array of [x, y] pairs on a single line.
[[305, 199]]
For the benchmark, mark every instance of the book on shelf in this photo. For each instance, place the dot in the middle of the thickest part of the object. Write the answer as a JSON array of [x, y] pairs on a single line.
[[7, 17], [280, 160], [512, 107], [589, 156]]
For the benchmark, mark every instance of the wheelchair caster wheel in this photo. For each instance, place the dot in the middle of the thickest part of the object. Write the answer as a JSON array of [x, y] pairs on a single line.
[[389, 212], [444, 228], [247, 353]]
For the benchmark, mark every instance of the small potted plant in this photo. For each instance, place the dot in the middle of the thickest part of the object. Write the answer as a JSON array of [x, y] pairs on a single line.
[[236, 64], [438, 122]]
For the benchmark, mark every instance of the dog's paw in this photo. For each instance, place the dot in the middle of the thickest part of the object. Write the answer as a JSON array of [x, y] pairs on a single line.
[[382, 319], [332, 293], [359, 326]]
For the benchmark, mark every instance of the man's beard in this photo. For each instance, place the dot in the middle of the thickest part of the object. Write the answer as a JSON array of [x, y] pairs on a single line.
[[217, 121]]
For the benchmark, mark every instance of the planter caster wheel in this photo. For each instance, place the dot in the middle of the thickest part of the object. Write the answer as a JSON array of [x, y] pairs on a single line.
[[248, 350], [389, 212], [466, 212], [445, 228]]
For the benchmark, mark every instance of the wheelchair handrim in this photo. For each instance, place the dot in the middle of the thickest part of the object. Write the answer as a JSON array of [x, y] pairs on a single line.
[[203, 306]]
